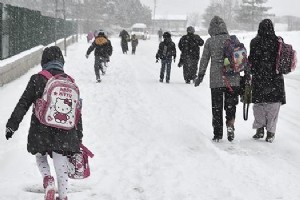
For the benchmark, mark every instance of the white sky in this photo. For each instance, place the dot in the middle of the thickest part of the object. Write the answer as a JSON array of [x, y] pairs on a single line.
[[152, 140], [280, 7]]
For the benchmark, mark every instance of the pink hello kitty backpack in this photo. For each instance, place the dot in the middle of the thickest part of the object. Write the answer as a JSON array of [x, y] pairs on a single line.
[[60, 104], [78, 164]]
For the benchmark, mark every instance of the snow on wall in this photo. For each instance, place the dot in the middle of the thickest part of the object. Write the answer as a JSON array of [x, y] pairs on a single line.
[[14, 67]]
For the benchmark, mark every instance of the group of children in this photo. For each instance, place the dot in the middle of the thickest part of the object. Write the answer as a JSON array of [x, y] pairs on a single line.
[[268, 94]]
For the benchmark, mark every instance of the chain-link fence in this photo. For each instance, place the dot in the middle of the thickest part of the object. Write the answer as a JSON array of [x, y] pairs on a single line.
[[22, 29]]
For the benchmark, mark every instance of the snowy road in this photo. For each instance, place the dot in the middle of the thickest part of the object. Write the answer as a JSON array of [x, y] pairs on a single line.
[[152, 141]]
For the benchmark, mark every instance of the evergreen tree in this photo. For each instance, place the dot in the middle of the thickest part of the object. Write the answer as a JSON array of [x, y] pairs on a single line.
[[251, 12], [222, 8]]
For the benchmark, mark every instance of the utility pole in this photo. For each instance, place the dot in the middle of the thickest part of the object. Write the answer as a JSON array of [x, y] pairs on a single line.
[[63, 10], [55, 23], [65, 40], [154, 18]]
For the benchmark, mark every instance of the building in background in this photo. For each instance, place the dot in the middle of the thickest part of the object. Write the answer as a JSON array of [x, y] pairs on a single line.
[[174, 23]]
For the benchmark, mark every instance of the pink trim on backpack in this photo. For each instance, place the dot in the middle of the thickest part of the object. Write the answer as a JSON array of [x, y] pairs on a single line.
[[46, 74]]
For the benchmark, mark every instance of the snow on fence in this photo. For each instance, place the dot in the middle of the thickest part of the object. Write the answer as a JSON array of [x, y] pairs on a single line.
[[14, 67]]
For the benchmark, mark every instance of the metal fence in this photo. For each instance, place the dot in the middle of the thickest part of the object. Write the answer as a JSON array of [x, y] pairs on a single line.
[[22, 29]]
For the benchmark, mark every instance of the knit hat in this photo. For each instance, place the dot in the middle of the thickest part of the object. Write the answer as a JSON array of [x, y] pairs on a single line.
[[190, 29], [101, 32], [166, 35]]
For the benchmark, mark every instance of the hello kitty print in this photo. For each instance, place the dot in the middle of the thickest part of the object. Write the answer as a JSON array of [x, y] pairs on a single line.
[[60, 105]]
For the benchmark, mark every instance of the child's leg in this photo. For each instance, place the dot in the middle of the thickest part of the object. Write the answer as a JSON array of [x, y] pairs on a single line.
[[43, 165], [97, 67], [48, 180], [162, 69], [169, 61], [61, 169]]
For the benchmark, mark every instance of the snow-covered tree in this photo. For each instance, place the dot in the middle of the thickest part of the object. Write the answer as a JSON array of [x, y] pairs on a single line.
[[251, 12], [222, 8]]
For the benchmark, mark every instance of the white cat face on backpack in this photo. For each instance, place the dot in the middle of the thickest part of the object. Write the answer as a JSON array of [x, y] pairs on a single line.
[[63, 105]]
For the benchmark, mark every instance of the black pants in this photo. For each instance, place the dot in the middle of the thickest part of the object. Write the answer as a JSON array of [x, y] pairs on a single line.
[[222, 97], [190, 67], [133, 50], [99, 62]]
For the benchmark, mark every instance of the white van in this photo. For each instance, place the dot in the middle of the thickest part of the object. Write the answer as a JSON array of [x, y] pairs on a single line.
[[140, 31]]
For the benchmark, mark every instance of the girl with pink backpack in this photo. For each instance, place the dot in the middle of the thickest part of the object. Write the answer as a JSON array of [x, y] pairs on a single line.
[[45, 140]]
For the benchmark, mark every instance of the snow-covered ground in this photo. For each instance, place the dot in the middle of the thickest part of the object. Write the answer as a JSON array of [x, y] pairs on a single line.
[[152, 140]]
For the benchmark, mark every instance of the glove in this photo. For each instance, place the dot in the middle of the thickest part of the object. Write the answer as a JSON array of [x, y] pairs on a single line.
[[87, 56], [8, 133], [198, 80]]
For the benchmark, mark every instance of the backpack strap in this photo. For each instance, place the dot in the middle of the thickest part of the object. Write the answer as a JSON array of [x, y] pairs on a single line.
[[280, 41], [227, 83], [46, 74]]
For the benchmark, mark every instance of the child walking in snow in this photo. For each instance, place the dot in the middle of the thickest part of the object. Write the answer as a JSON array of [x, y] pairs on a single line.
[[46, 140], [103, 50], [166, 50], [134, 43]]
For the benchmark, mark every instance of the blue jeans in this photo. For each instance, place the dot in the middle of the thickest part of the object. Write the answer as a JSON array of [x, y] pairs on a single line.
[[165, 64]]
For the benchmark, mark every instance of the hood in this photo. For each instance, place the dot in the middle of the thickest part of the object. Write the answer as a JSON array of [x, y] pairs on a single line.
[[266, 28], [217, 26], [52, 53], [101, 40]]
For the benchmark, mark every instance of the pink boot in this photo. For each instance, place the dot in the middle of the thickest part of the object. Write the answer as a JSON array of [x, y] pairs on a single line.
[[49, 186]]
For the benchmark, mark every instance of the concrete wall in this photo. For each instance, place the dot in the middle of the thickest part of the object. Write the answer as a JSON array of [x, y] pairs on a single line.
[[19, 66]]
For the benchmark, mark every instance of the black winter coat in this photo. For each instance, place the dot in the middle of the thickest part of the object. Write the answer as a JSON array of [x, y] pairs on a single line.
[[42, 138], [268, 87], [102, 47], [189, 45], [166, 49]]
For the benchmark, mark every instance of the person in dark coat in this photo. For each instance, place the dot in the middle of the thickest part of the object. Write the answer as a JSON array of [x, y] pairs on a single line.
[[189, 46], [134, 43], [268, 91], [221, 96], [166, 51], [125, 37], [45, 140], [103, 50], [160, 34]]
